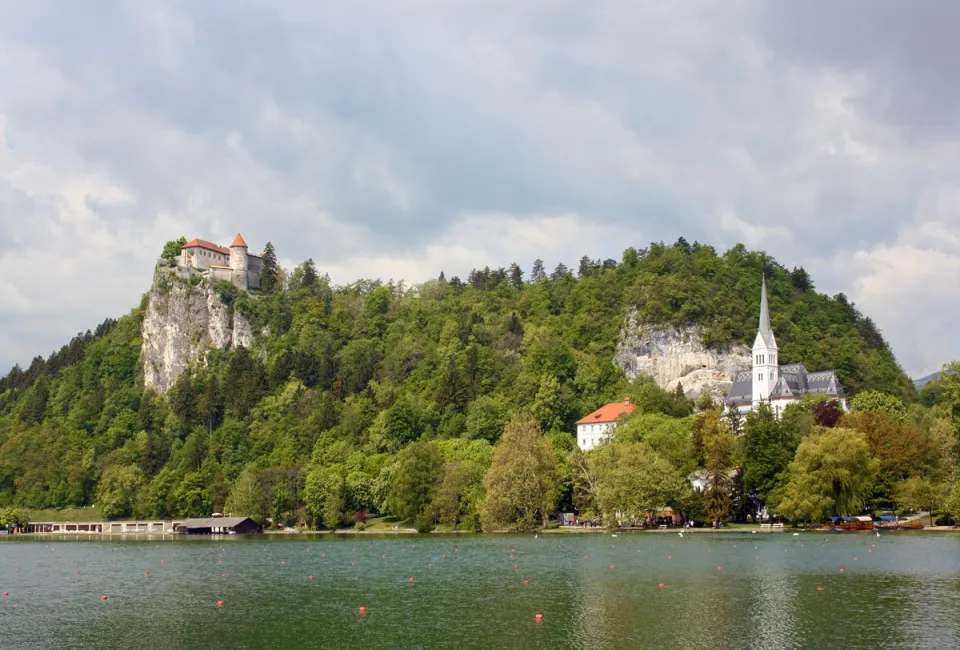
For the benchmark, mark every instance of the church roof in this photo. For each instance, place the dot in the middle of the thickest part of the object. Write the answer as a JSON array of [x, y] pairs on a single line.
[[238, 241], [200, 243], [609, 413], [742, 390], [793, 382]]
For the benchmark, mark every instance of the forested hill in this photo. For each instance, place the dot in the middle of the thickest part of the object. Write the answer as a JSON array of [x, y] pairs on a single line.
[[342, 379]]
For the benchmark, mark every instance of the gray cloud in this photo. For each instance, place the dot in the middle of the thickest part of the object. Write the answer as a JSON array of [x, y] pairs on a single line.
[[395, 139]]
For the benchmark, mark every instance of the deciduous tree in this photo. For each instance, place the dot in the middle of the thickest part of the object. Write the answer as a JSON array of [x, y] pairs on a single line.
[[830, 475], [521, 484]]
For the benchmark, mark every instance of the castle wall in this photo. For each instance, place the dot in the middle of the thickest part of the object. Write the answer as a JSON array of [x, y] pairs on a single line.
[[221, 274], [201, 258]]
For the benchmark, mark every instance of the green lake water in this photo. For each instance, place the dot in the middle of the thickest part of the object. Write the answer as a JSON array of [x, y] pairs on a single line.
[[900, 590]]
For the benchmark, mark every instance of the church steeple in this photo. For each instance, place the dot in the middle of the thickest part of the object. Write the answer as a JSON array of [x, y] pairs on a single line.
[[765, 331], [765, 364]]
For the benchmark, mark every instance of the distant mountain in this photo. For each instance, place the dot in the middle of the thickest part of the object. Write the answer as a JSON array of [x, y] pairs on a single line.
[[923, 381]]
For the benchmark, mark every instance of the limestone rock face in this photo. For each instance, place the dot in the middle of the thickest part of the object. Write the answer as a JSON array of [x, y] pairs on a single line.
[[182, 322], [673, 356]]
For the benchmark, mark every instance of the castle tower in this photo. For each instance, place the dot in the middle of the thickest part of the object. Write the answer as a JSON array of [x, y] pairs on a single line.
[[765, 364], [238, 262]]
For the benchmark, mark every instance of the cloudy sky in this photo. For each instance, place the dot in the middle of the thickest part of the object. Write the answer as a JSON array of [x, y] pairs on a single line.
[[395, 139]]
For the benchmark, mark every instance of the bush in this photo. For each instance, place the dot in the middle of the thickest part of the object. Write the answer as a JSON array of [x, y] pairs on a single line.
[[423, 522], [471, 523], [553, 525], [361, 526]]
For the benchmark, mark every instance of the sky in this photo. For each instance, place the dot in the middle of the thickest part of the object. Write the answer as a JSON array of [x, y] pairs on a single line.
[[394, 140]]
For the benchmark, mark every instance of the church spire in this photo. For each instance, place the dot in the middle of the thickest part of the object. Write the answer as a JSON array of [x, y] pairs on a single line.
[[766, 333]]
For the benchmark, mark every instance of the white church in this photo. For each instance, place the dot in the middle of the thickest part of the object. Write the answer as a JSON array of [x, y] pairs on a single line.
[[775, 384]]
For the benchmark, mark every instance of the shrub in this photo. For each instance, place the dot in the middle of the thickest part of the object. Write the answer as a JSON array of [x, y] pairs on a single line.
[[423, 522]]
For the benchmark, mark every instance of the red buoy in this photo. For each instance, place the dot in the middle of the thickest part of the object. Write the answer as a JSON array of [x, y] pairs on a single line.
[[223, 575], [146, 573], [6, 593], [411, 579], [103, 597], [611, 566], [78, 572], [219, 603], [719, 568], [539, 618], [309, 577], [363, 610], [515, 566], [661, 585], [819, 588]]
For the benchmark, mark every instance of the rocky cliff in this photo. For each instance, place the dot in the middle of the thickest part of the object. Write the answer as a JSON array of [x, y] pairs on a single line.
[[185, 318], [673, 356]]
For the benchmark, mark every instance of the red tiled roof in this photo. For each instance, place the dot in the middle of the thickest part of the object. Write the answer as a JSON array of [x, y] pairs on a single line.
[[609, 413], [238, 241], [210, 246]]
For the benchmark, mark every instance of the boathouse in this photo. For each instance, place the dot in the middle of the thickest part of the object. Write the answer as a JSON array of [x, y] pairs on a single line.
[[220, 526]]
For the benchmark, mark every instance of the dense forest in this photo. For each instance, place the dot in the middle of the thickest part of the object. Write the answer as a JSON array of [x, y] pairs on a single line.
[[453, 402]]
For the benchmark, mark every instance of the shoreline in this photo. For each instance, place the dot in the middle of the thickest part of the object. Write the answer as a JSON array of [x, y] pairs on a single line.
[[410, 531]]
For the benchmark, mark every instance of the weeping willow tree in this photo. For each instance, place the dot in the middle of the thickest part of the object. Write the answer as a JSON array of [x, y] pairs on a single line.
[[832, 474]]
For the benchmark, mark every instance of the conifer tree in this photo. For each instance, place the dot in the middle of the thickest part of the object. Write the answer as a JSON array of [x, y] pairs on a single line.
[[310, 276], [269, 270], [516, 275], [538, 273]]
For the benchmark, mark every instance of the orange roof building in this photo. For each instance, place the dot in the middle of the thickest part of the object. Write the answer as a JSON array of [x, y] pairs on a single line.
[[599, 425], [235, 264]]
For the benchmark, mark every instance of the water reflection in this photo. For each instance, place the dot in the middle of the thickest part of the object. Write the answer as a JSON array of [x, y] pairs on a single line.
[[899, 592]]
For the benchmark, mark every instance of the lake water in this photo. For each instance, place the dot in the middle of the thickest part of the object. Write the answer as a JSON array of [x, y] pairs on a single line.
[[900, 590]]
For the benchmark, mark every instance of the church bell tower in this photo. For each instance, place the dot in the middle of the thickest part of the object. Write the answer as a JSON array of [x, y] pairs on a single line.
[[765, 364]]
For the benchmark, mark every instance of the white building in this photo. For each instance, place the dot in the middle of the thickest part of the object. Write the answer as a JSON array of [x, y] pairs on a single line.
[[772, 383], [599, 425], [235, 264]]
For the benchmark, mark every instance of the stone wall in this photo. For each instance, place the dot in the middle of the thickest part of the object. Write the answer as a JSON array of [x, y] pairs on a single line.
[[673, 356]]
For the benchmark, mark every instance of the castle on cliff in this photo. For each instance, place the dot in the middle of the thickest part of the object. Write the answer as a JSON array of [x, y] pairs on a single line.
[[235, 264], [769, 382]]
